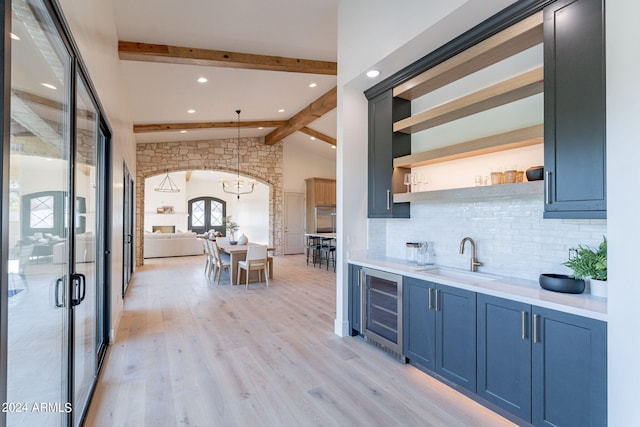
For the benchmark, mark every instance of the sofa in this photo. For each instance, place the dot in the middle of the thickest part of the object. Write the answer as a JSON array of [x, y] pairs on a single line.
[[161, 245]]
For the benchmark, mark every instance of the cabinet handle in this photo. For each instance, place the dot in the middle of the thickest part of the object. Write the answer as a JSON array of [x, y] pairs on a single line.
[[536, 317], [548, 176], [524, 325], [360, 278], [388, 199], [437, 297], [430, 299]]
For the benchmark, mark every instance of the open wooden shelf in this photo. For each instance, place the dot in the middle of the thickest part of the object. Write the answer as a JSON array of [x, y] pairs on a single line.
[[524, 137], [522, 86], [517, 38], [488, 192]]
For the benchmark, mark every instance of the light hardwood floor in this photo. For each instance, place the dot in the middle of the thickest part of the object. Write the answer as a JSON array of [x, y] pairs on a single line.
[[189, 352]]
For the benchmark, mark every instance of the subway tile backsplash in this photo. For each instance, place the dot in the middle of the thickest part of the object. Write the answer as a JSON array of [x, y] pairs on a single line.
[[511, 236]]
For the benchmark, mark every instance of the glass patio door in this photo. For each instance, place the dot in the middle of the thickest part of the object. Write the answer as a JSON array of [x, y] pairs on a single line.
[[87, 292], [56, 318], [39, 265]]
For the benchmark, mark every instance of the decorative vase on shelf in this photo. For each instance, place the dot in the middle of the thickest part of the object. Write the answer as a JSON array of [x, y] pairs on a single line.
[[243, 240]]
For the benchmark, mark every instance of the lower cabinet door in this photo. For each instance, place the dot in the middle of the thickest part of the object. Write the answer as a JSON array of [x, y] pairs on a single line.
[[569, 370], [419, 322], [504, 354], [456, 335]]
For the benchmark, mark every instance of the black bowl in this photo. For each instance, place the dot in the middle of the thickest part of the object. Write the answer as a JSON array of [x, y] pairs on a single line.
[[233, 242], [535, 173], [561, 283]]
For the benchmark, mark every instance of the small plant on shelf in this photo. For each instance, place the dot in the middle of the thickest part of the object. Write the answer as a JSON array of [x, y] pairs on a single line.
[[588, 262], [231, 227]]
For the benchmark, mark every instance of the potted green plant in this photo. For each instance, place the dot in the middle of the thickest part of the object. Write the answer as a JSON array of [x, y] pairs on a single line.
[[589, 263], [231, 227]]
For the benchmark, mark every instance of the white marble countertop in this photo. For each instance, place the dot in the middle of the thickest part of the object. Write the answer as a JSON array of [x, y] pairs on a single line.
[[526, 291]]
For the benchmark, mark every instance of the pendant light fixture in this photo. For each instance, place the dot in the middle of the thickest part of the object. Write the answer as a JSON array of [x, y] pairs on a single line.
[[238, 186], [167, 185]]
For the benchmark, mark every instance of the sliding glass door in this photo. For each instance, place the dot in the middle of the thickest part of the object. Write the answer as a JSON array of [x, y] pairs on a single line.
[[57, 261], [39, 266]]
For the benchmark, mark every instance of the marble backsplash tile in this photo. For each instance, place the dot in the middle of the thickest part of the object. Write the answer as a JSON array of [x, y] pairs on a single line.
[[511, 236]]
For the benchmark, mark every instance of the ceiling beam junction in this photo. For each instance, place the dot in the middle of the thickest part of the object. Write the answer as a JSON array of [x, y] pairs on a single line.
[[310, 113]]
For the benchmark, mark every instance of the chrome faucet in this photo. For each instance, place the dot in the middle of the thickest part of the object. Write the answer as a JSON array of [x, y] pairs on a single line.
[[474, 261]]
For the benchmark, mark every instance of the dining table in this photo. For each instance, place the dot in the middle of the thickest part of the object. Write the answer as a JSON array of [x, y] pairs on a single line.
[[238, 253]]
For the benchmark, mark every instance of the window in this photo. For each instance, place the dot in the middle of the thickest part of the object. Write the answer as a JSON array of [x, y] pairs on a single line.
[[206, 213]]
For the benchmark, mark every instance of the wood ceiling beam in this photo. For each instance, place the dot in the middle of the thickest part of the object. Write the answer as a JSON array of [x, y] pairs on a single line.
[[318, 135], [168, 127], [147, 52], [310, 113]]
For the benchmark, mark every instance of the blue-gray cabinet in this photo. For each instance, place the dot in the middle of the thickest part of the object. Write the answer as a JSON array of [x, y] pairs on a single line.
[[569, 370], [574, 110], [354, 299], [504, 354], [439, 330], [384, 146], [544, 366]]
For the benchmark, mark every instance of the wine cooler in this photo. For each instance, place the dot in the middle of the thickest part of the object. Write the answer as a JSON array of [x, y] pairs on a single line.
[[382, 309]]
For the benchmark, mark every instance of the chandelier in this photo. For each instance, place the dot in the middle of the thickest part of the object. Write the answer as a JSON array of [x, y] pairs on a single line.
[[238, 186], [167, 185]]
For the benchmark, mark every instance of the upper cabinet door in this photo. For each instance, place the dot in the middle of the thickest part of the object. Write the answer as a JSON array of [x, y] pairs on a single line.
[[574, 91], [384, 145]]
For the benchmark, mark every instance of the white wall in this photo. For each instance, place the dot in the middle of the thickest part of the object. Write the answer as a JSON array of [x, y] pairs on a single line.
[[93, 28], [251, 211], [623, 205], [299, 165]]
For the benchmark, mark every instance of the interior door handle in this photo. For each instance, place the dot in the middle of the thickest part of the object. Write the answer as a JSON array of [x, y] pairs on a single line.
[[79, 288], [57, 293]]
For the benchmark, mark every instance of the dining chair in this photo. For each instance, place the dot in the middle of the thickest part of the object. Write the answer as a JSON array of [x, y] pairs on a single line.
[[222, 261], [209, 263], [256, 260]]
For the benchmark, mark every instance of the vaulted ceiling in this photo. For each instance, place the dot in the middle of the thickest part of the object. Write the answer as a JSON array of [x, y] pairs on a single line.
[[258, 56]]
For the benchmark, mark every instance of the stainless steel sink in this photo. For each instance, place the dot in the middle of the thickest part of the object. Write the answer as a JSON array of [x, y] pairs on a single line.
[[457, 275]]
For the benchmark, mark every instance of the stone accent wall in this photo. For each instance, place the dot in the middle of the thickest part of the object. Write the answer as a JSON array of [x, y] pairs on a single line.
[[264, 163]]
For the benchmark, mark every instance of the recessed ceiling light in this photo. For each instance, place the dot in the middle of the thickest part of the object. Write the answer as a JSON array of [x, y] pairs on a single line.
[[191, 111], [281, 110], [313, 84], [333, 146], [202, 80], [313, 138], [260, 127], [49, 86], [183, 131], [373, 73], [15, 37]]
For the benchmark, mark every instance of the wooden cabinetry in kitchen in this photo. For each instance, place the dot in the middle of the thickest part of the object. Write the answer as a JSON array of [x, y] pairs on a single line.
[[321, 191], [544, 366], [574, 94], [439, 330]]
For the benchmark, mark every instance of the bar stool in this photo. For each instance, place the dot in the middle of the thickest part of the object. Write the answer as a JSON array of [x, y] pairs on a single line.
[[313, 248], [328, 252]]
